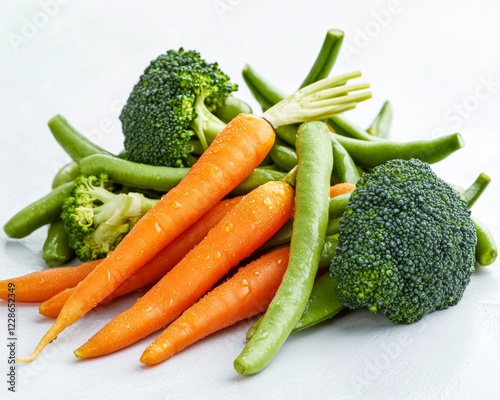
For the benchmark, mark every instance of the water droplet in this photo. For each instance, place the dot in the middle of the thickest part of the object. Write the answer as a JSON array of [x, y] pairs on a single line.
[[158, 227], [176, 204], [256, 273], [229, 227], [149, 309]]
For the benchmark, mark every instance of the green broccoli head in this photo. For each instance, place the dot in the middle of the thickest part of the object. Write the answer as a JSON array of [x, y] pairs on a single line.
[[97, 215], [172, 103], [406, 243]]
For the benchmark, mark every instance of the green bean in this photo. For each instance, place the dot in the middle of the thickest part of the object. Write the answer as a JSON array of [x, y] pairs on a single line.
[[256, 178], [66, 174], [131, 173], [39, 213], [381, 125], [344, 127], [315, 161], [473, 192], [369, 154], [161, 179], [76, 145], [56, 250], [338, 205], [265, 94], [486, 247], [323, 303], [327, 254], [344, 168], [284, 157], [326, 57], [231, 108]]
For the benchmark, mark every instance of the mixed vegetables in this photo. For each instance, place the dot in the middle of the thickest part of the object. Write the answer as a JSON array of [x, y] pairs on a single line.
[[223, 215]]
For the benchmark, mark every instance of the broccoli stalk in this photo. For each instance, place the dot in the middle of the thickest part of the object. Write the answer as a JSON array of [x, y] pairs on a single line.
[[97, 216], [406, 243]]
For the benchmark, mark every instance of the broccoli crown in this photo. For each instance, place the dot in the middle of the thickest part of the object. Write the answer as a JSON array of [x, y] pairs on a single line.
[[406, 243], [173, 100], [97, 215]]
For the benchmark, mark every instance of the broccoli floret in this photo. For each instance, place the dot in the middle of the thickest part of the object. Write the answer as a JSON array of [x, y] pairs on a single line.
[[173, 103], [406, 243], [97, 215]]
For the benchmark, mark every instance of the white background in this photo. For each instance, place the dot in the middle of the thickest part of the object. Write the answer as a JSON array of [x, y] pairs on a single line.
[[438, 62]]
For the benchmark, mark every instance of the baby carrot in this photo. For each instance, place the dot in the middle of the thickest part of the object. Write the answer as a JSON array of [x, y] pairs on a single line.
[[341, 188], [242, 230], [42, 285], [244, 295], [239, 148], [159, 265]]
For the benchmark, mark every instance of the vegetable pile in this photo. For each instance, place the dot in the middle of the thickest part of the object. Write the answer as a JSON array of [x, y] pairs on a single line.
[[222, 215]]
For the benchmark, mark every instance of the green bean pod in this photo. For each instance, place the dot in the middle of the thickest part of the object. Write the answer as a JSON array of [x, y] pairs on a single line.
[[486, 247], [474, 191], [326, 57], [323, 303], [283, 156], [231, 108], [159, 178], [369, 154], [39, 213], [66, 174], [344, 127], [265, 93], [315, 161], [381, 125], [327, 254], [344, 168], [76, 145], [56, 250]]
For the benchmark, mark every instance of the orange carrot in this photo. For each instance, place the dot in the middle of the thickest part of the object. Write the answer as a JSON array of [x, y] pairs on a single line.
[[42, 285], [159, 265], [236, 151], [242, 230], [341, 188], [244, 295]]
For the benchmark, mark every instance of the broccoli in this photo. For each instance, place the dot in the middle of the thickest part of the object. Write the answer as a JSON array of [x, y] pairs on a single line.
[[406, 243], [171, 105], [97, 215]]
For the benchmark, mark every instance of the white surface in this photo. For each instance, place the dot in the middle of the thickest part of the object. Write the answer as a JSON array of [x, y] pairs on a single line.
[[437, 62]]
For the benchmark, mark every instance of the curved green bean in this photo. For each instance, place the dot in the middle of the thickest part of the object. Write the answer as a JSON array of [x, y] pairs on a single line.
[[381, 125], [344, 168], [257, 177], [66, 174], [56, 250], [283, 156], [76, 145], [486, 247], [372, 153], [315, 161], [39, 213], [323, 303]]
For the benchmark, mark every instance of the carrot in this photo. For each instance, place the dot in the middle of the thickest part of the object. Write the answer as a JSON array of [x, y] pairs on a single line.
[[244, 295], [236, 151], [341, 188], [242, 230], [159, 265], [42, 285]]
